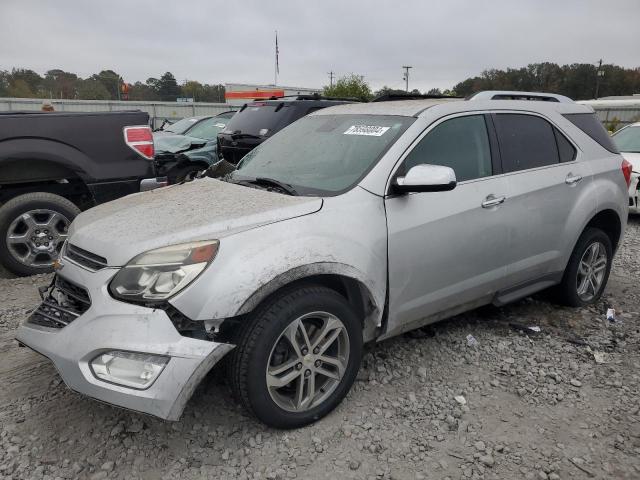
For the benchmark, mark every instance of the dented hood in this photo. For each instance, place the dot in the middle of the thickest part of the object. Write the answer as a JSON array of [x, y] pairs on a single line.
[[203, 209]]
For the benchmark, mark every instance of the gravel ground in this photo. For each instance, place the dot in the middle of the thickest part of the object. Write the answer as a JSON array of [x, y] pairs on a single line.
[[425, 406]]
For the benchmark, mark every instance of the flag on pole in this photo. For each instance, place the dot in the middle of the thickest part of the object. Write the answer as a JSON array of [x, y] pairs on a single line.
[[277, 52]]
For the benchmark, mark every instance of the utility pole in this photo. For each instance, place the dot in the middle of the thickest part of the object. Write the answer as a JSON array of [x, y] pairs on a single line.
[[599, 73], [406, 76], [331, 74]]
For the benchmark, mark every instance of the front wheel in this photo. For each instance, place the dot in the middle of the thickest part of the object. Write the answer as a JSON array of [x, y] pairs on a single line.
[[297, 357], [33, 228], [587, 272]]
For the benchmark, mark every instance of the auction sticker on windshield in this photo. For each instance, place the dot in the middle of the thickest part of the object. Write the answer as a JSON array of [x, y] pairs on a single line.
[[367, 130]]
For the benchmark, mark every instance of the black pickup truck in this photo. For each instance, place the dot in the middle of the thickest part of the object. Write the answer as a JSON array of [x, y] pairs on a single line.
[[54, 165]]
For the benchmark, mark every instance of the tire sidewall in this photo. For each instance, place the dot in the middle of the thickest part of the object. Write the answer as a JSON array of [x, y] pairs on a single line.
[[261, 402], [10, 211], [588, 237]]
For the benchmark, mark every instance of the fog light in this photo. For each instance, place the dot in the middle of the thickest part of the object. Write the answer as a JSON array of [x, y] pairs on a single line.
[[135, 370]]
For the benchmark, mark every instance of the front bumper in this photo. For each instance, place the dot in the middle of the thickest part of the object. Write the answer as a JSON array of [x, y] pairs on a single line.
[[112, 325]]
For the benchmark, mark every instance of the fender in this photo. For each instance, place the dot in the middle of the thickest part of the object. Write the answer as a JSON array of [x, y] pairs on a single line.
[[307, 271], [21, 152]]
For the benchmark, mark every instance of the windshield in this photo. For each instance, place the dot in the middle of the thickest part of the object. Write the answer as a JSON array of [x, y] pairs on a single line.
[[324, 154], [208, 129], [181, 126], [628, 139], [257, 119]]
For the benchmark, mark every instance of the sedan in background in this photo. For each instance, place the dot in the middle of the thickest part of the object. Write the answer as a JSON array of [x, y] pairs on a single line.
[[627, 139], [180, 157]]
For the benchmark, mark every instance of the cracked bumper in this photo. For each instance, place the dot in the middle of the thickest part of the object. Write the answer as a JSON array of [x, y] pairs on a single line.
[[112, 325]]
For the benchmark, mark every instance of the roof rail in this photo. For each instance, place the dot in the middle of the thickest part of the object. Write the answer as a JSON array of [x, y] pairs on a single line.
[[315, 96], [515, 95], [391, 97]]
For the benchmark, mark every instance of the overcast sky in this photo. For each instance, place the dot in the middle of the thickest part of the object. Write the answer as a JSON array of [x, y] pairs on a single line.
[[233, 40]]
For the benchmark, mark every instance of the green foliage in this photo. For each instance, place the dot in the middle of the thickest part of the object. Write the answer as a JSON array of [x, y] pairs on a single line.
[[350, 86], [20, 89], [577, 81], [59, 84], [92, 89]]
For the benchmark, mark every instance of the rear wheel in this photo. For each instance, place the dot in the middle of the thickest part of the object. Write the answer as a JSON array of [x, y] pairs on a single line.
[[297, 357], [33, 228], [587, 272]]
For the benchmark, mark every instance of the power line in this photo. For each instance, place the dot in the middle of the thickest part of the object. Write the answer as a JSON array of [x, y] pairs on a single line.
[[406, 76], [331, 74]]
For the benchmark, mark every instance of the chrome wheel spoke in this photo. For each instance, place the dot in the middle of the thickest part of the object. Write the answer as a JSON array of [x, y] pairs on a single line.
[[284, 380], [600, 264], [327, 335], [328, 373], [335, 362], [292, 332], [17, 240]]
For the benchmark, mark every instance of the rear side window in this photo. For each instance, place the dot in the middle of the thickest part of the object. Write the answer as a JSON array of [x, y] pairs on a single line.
[[258, 119], [461, 143], [526, 141], [589, 124], [565, 149]]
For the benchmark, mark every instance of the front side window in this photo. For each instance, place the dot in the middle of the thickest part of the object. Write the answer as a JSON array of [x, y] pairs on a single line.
[[526, 141], [323, 154], [461, 143]]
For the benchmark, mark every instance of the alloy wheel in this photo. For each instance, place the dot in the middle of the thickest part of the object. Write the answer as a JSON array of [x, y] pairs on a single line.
[[308, 361], [35, 238], [591, 271]]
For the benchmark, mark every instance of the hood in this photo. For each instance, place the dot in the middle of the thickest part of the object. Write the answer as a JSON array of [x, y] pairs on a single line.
[[177, 143], [203, 209], [633, 158]]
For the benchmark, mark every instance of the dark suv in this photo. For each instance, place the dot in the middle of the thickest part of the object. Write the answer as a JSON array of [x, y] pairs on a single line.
[[257, 121]]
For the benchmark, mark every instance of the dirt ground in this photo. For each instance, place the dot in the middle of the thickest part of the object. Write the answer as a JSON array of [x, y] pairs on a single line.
[[529, 405]]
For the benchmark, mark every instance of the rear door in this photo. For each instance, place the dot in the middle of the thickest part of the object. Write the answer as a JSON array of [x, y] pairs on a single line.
[[546, 181], [446, 249]]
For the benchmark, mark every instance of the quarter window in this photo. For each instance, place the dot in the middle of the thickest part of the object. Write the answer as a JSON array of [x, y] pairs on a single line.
[[526, 141], [461, 143]]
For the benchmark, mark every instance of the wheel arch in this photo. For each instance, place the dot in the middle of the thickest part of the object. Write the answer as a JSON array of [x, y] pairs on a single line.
[[340, 278], [609, 222]]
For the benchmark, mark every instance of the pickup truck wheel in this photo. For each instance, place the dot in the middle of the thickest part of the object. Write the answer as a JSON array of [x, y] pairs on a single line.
[[587, 272], [297, 357], [33, 228]]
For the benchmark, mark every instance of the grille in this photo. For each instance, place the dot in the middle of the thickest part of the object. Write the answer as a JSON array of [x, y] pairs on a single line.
[[61, 305], [86, 259]]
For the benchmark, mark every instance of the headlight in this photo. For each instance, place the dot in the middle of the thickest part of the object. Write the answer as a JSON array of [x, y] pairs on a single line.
[[159, 274]]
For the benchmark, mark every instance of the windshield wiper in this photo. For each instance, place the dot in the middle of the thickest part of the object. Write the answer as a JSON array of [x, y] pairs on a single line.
[[275, 183]]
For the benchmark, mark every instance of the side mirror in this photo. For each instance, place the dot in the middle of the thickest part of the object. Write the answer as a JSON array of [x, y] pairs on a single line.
[[426, 178]]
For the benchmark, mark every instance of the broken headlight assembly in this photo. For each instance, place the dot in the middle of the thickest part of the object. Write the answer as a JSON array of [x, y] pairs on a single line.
[[159, 274]]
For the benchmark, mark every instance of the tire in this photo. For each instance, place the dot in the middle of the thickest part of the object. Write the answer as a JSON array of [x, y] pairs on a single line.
[[40, 207], [263, 347], [568, 292]]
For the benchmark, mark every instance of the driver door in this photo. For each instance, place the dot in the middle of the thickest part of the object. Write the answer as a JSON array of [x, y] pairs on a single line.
[[446, 250]]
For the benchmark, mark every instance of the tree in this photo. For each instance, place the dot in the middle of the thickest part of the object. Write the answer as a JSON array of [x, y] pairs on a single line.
[[20, 89], [167, 88], [60, 84], [349, 86], [92, 89], [32, 80], [434, 91], [142, 91], [111, 82], [192, 89], [5, 78]]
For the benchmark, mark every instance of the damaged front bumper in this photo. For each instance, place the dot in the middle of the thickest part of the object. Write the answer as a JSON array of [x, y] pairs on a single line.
[[108, 325]]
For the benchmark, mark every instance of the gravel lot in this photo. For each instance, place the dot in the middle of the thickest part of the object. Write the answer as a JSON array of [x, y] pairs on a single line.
[[425, 406]]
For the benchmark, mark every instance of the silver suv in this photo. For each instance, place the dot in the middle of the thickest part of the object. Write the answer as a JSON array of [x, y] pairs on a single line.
[[352, 225]]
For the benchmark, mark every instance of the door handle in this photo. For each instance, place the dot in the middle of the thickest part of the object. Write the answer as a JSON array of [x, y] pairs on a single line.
[[493, 201], [572, 179]]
